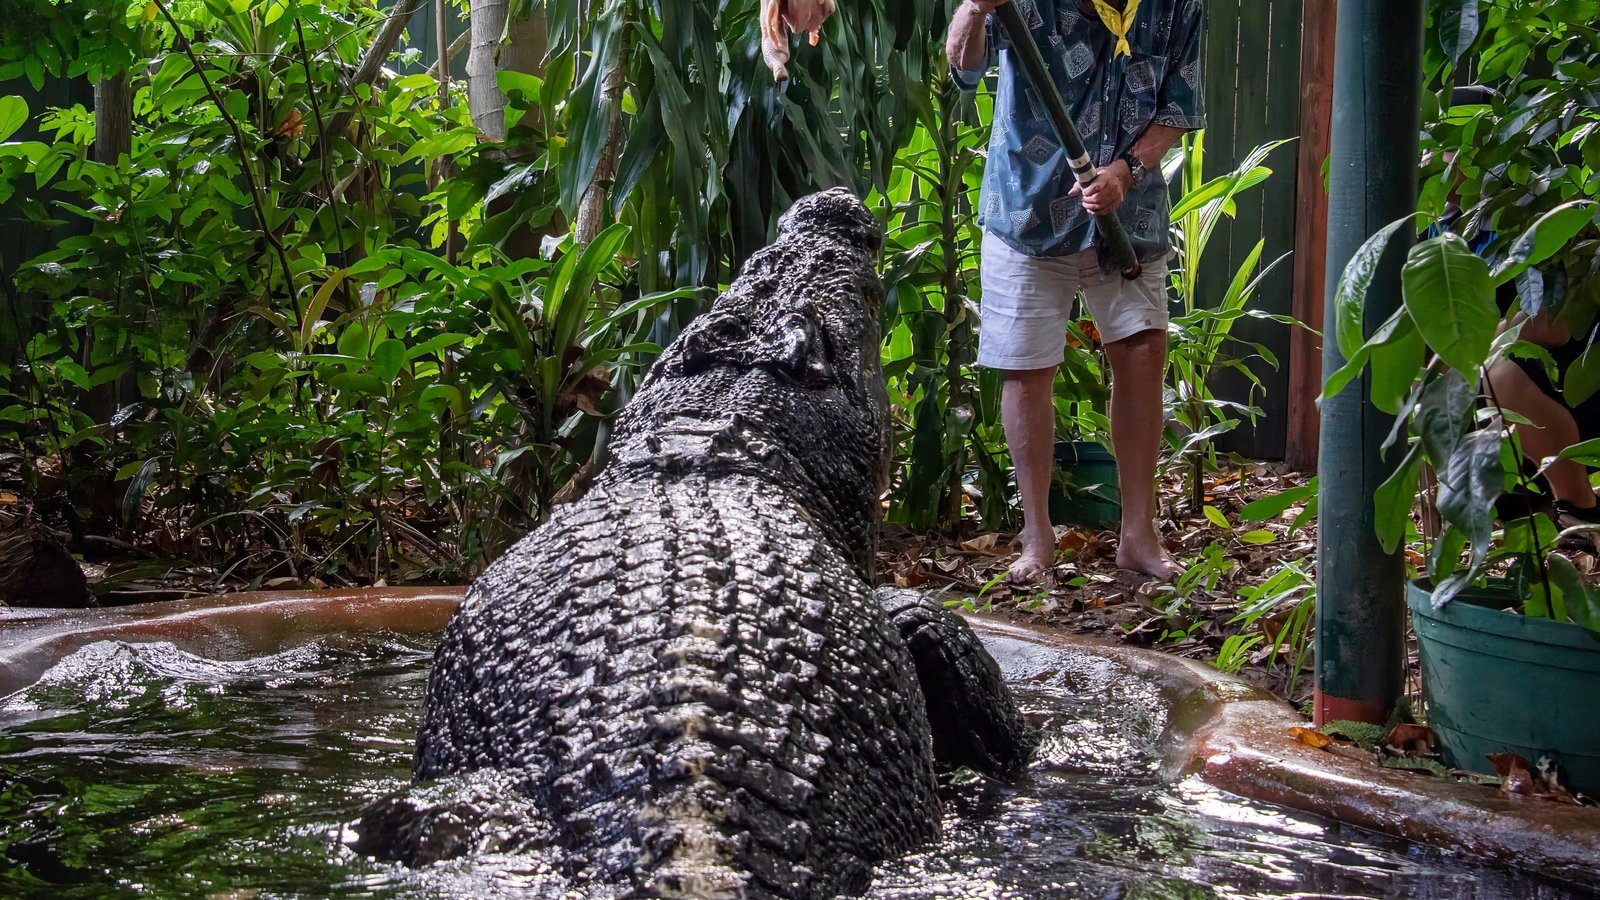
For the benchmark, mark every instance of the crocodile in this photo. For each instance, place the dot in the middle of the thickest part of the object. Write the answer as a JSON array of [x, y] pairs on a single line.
[[684, 684]]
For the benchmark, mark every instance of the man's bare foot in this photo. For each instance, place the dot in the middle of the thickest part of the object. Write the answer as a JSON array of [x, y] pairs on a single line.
[[1141, 551], [1038, 555]]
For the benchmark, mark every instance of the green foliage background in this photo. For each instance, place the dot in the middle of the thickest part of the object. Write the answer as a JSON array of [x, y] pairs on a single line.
[[324, 332], [331, 389]]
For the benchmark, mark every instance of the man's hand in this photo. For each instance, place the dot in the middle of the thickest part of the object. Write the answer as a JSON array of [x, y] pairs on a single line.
[[1110, 188], [964, 46]]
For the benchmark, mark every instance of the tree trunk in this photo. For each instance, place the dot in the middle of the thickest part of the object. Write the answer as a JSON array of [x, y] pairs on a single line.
[[371, 63], [527, 43], [113, 139], [96, 487], [592, 209], [113, 119], [524, 49]]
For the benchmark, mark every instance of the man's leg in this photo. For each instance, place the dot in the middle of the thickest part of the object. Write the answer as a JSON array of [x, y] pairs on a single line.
[[1027, 410], [1553, 431], [1138, 368]]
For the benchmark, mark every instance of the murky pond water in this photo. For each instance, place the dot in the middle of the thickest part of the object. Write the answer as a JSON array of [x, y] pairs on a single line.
[[143, 769]]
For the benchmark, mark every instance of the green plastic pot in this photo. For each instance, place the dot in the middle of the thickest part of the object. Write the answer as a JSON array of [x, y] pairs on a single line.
[[1499, 682], [1094, 499]]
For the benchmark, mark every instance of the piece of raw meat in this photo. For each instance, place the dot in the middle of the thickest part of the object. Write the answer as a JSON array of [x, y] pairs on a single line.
[[779, 18]]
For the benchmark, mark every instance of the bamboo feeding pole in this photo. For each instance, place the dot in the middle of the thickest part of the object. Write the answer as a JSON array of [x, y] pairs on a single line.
[[1112, 234]]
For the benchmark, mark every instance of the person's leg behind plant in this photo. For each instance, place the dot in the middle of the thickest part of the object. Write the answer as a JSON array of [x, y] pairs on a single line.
[[1553, 428]]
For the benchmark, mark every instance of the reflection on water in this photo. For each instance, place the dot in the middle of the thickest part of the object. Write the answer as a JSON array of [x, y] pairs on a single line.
[[144, 769]]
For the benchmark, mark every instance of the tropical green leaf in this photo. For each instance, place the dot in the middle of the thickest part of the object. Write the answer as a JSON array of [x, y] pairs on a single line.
[[1393, 500], [1583, 377], [1350, 297], [13, 113], [1469, 484], [1458, 26], [1443, 410], [1451, 300], [387, 359], [1545, 238], [1396, 363], [1274, 505]]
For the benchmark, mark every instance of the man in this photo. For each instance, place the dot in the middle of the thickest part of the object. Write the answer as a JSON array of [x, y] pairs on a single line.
[[1129, 71]]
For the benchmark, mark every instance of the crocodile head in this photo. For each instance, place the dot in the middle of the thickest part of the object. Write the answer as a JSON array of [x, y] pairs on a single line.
[[781, 378]]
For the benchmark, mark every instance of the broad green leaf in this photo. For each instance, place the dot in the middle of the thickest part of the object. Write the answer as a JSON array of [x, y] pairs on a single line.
[[1444, 557], [1258, 537], [1443, 409], [1545, 238], [237, 105], [518, 85], [1397, 324], [354, 340], [435, 398], [1275, 505], [387, 358], [1571, 597], [358, 384], [1216, 517], [319, 303], [1458, 26], [1393, 500], [1585, 452], [13, 113], [1451, 300], [445, 143], [418, 81], [1395, 365], [435, 344], [1350, 297], [1469, 484], [1529, 534], [1583, 376]]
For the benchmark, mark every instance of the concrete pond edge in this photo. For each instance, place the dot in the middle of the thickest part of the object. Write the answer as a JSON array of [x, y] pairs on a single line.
[[1235, 737], [1230, 735]]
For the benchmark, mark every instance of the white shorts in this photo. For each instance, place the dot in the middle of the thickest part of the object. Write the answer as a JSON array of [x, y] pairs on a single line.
[[1027, 304]]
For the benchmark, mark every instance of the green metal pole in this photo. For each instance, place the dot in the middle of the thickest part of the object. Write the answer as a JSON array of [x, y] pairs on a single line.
[[1377, 84]]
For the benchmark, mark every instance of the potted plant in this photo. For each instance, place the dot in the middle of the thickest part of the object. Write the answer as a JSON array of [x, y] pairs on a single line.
[[1083, 485], [1508, 628]]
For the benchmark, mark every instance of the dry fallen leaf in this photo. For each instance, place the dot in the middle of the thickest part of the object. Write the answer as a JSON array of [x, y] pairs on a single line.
[[1415, 557], [1074, 539], [910, 579], [1516, 771], [983, 543], [1409, 740], [1311, 737]]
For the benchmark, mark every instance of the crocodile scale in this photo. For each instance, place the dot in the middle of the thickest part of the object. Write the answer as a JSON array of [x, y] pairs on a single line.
[[683, 682]]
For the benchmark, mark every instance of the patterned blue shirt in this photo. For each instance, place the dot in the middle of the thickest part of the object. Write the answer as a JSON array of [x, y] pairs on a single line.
[[1027, 183]]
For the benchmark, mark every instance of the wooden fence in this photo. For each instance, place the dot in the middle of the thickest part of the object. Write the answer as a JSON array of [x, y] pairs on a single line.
[[1266, 61]]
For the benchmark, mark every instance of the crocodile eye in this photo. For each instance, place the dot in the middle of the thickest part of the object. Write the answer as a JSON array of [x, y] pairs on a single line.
[[727, 329]]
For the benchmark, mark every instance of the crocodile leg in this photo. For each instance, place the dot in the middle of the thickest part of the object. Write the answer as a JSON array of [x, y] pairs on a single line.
[[975, 720]]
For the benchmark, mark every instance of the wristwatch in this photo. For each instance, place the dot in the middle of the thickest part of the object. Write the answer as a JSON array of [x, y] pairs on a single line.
[[1135, 166]]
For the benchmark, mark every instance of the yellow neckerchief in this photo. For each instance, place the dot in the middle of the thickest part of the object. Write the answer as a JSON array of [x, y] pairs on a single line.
[[1119, 23]]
